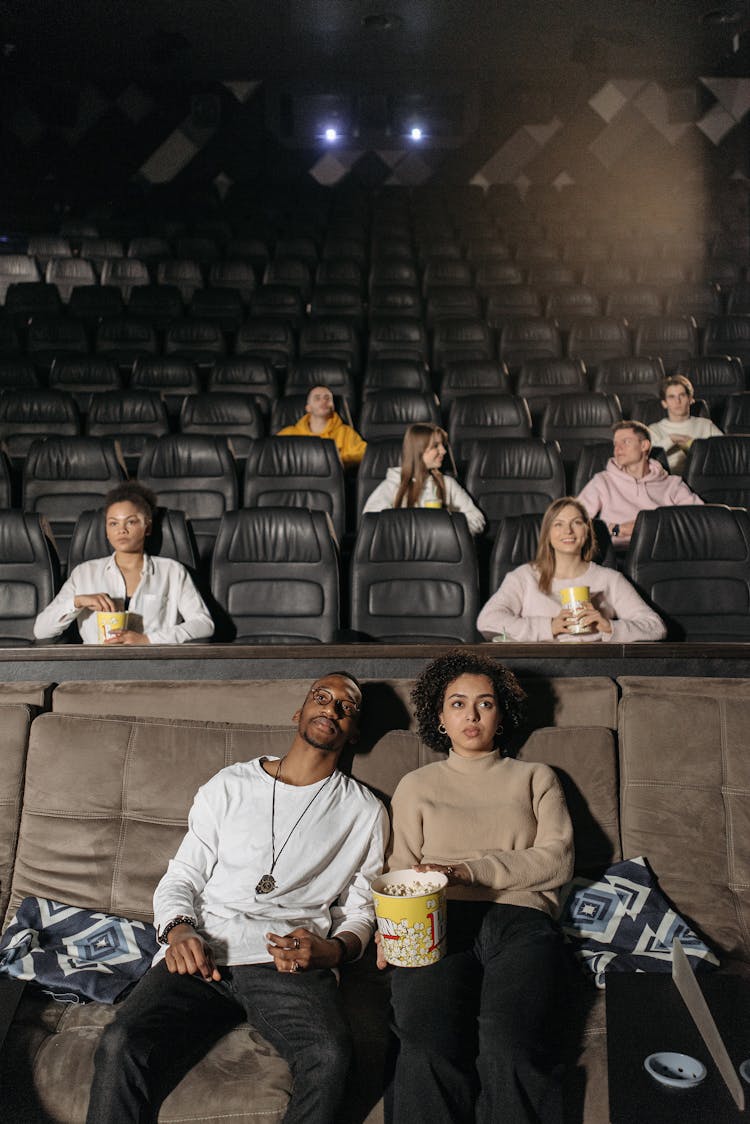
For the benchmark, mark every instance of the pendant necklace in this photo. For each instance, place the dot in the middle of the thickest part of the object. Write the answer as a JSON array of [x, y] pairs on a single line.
[[267, 882]]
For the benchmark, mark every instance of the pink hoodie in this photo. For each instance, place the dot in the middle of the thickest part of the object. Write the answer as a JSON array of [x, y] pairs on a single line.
[[618, 497]]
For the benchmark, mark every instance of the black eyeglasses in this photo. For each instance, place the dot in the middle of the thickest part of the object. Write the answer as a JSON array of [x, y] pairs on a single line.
[[323, 697]]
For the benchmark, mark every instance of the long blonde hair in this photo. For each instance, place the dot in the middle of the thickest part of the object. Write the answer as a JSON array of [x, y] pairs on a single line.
[[413, 472], [544, 563]]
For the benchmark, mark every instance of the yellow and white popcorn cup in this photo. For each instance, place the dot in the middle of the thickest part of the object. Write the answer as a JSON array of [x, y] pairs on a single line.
[[109, 623], [412, 924]]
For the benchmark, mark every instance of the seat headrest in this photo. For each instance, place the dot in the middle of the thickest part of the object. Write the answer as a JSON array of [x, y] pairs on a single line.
[[416, 534]]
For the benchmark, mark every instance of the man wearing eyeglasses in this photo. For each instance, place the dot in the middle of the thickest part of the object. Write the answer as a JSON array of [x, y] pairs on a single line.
[[268, 894]]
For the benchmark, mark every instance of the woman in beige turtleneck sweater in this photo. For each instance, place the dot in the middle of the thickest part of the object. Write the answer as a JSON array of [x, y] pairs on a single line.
[[476, 1038]]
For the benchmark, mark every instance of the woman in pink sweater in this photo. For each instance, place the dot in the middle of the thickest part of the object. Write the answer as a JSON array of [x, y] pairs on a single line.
[[478, 1039], [527, 604]]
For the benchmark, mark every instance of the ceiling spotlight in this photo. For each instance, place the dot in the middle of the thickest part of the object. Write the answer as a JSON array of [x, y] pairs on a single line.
[[330, 134], [416, 133]]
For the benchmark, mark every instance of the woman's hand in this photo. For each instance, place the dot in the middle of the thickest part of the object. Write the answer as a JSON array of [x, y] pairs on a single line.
[[96, 602], [457, 875], [593, 619], [561, 622], [127, 636], [381, 960]]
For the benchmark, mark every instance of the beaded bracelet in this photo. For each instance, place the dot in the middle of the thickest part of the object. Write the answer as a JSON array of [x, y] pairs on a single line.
[[170, 925]]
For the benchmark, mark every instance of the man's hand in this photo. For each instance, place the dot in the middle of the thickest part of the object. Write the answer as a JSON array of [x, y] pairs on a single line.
[[96, 602], [305, 950], [189, 955], [127, 636], [381, 960], [457, 875]]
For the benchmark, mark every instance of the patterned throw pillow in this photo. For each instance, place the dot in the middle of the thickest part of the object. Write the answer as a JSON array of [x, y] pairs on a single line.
[[75, 954], [623, 923]]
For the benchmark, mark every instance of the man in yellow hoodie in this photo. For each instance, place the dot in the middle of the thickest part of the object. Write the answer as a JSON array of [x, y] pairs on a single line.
[[321, 420]]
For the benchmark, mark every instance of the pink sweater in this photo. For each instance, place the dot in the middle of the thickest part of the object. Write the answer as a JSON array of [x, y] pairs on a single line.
[[618, 497], [520, 611]]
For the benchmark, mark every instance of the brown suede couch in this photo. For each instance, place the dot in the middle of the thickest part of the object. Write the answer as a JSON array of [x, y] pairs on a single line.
[[94, 795]]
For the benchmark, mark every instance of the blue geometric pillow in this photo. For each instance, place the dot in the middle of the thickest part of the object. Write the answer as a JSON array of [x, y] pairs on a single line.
[[73, 954], [623, 923]]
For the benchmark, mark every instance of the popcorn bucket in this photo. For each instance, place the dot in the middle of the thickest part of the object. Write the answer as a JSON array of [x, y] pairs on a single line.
[[412, 921], [108, 624], [574, 597]]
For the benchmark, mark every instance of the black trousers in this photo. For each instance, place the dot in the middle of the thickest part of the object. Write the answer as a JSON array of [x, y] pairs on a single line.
[[477, 1037], [169, 1022]]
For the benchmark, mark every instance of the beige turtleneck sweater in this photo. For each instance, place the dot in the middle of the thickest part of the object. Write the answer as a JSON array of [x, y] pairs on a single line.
[[506, 820]]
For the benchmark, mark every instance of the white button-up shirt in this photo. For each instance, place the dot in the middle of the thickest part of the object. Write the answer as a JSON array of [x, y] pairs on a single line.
[[170, 608]]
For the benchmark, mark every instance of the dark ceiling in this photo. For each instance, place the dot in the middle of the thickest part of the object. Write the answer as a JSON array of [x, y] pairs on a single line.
[[338, 44]]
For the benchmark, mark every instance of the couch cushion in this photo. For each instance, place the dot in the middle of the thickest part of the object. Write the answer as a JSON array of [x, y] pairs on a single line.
[[15, 721], [32, 693], [585, 759], [685, 799]]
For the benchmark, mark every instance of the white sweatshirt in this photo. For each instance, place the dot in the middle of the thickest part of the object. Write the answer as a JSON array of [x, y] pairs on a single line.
[[323, 874], [457, 499]]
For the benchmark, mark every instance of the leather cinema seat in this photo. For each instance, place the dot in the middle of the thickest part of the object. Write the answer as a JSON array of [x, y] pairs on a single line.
[[481, 416], [29, 576], [550, 275], [133, 418], [718, 469], [67, 273], [124, 340], [698, 299], [674, 339], [170, 376], [736, 417], [633, 302], [25, 300], [715, 377], [275, 572], [44, 247], [400, 272], [517, 540], [540, 379], [184, 273], [388, 413], [380, 455], [49, 338], [245, 376], [290, 408], [453, 340], [396, 374], [515, 475], [472, 376], [595, 338], [507, 303], [532, 337], [339, 270], [84, 377], [452, 303], [292, 273], [394, 300], [149, 248], [171, 537], [394, 337], [156, 305], [64, 476], [338, 302], [569, 302], [16, 269], [235, 416], [728, 335], [221, 307], [278, 302], [331, 338], [333, 373], [631, 379], [197, 341], [693, 565], [92, 303], [296, 472], [267, 338], [446, 273], [99, 250], [18, 374], [233, 274], [574, 420], [414, 578], [501, 274], [203, 250], [195, 474], [32, 415]]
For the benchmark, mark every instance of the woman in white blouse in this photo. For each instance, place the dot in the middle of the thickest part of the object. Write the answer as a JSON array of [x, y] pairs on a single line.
[[163, 605], [418, 482]]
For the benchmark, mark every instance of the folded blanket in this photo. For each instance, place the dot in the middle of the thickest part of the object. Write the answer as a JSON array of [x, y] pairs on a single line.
[[74, 954]]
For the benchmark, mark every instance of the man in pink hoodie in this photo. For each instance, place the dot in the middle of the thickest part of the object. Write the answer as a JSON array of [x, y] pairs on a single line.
[[632, 482]]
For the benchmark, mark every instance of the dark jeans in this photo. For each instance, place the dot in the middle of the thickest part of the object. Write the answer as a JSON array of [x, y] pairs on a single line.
[[477, 1031], [169, 1022]]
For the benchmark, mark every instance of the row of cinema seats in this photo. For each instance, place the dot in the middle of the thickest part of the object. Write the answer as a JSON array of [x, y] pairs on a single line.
[[714, 377], [275, 575], [198, 474], [508, 333]]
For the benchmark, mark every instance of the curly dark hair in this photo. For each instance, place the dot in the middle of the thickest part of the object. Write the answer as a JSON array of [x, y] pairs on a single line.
[[132, 491], [429, 691]]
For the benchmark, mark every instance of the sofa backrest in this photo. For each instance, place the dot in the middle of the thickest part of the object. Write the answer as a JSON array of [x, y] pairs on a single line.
[[15, 720], [107, 798], [685, 798]]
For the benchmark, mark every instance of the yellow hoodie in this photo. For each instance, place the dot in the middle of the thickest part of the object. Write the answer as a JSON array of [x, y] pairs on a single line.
[[350, 445]]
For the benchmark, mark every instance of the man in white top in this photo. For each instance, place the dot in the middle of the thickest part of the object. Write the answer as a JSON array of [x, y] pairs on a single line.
[[268, 894], [676, 433]]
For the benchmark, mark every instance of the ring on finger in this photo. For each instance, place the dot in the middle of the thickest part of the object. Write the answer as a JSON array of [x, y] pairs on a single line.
[[294, 967], [295, 942]]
